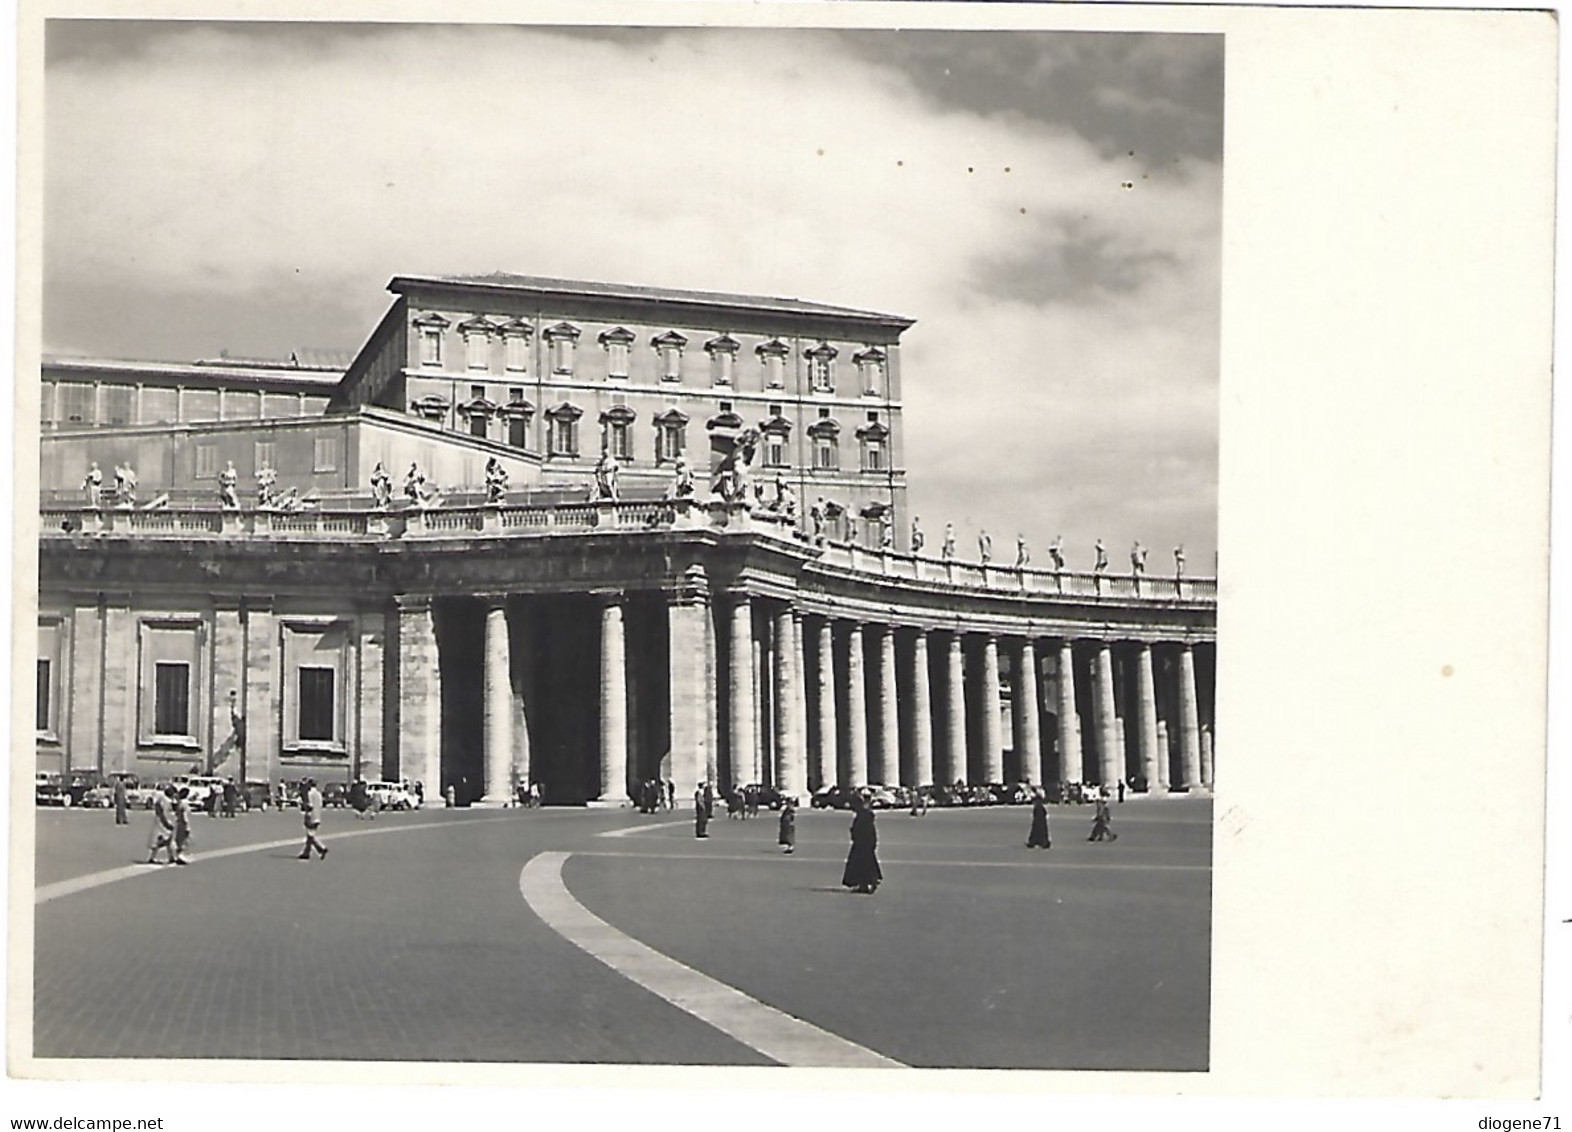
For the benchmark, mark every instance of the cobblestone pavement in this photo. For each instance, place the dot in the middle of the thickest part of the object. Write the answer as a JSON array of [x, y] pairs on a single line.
[[412, 943]]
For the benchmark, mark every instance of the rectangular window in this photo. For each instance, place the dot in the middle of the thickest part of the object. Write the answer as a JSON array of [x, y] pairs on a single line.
[[316, 704], [477, 425], [517, 353], [325, 455], [430, 346], [273, 404], [206, 461], [564, 438], [775, 451], [616, 359], [820, 375], [873, 456], [242, 405], [264, 455], [670, 439], [76, 403], [825, 454], [118, 403], [46, 404], [562, 355], [518, 432], [477, 351], [171, 698], [774, 372], [618, 440], [477, 392], [721, 366], [41, 721]]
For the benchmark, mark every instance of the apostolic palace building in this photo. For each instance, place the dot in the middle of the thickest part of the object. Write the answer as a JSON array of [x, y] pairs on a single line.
[[577, 534]]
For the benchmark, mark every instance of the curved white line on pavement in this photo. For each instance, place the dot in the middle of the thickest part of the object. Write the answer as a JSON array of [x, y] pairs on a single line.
[[774, 1033], [1041, 864], [126, 872]]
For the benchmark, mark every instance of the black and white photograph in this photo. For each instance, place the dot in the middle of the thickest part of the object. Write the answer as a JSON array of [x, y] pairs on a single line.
[[694, 544]]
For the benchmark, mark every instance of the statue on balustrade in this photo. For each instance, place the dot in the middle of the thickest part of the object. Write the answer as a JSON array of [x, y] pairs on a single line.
[[816, 517], [947, 550], [1022, 555], [785, 500], [125, 485], [93, 486], [1138, 558], [1102, 558], [851, 528], [886, 532], [1179, 561], [917, 539], [228, 480], [267, 488], [496, 480], [414, 483], [984, 547], [733, 473], [682, 485], [605, 478], [381, 487], [1056, 553]]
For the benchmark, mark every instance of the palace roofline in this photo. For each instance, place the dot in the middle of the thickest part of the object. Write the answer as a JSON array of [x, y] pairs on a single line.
[[312, 376], [508, 282]]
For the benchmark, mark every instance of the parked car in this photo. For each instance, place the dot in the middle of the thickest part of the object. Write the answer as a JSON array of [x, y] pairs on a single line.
[[392, 796], [200, 786], [138, 796], [335, 794], [939, 795], [882, 797], [832, 798], [1013, 794], [50, 790], [256, 796]]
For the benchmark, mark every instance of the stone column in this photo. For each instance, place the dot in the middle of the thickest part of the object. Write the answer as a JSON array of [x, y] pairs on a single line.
[[744, 744], [1069, 723], [791, 768], [1163, 749], [885, 765], [712, 693], [955, 722], [368, 722], [523, 697], [799, 704], [228, 664], [856, 710], [497, 717], [993, 726], [1028, 741], [119, 677], [1110, 759], [922, 713], [690, 642], [1189, 721], [79, 686], [613, 703], [1206, 756], [824, 644], [1146, 717], [419, 694]]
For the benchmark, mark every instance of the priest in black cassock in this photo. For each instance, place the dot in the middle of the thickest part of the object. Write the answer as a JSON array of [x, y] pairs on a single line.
[[862, 863]]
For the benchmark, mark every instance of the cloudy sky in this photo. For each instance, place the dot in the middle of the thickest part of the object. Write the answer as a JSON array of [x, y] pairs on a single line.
[[1046, 205]]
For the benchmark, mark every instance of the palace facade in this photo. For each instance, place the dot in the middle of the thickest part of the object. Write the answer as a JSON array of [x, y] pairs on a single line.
[[785, 632]]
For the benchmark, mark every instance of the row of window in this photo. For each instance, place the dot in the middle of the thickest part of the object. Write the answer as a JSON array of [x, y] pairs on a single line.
[[80, 404], [479, 335], [325, 456]]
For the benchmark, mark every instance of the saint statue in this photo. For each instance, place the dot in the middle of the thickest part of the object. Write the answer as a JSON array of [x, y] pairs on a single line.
[[682, 486], [886, 532], [125, 485], [496, 480], [267, 480], [816, 517], [1179, 561], [414, 483], [1102, 558], [93, 486], [1056, 552], [1022, 555], [381, 487], [984, 547], [228, 497], [1138, 558], [606, 478], [916, 536], [948, 549]]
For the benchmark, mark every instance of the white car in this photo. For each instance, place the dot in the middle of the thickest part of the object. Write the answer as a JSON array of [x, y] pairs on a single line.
[[200, 786], [391, 796]]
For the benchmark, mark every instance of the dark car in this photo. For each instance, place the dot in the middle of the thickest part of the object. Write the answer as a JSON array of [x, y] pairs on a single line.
[[940, 795], [256, 796], [833, 798], [335, 794], [80, 783], [50, 790], [1014, 794]]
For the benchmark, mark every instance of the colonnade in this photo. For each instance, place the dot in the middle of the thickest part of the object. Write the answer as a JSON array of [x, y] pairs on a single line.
[[761, 691]]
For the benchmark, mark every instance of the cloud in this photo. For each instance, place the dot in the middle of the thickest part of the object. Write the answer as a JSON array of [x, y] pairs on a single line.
[[1062, 375]]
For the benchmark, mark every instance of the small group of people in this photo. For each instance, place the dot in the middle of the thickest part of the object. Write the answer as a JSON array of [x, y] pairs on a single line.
[[653, 795], [742, 802], [862, 873], [1039, 835], [171, 826]]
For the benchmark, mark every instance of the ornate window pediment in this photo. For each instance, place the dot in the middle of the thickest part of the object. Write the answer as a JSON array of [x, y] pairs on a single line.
[[618, 414], [871, 354], [480, 324], [479, 407], [823, 350], [561, 330], [669, 340], [875, 510], [775, 426], [621, 335], [431, 320], [722, 344], [875, 431], [518, 410], [672, 417], [773, 348], [431, 407], [516, 328], [567, 411], [727, 419], [824, 427]]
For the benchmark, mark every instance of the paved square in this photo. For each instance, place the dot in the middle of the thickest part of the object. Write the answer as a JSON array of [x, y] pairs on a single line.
[[413, 940]]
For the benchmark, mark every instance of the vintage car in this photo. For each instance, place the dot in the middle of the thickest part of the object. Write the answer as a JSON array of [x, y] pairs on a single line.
[[50, 790]]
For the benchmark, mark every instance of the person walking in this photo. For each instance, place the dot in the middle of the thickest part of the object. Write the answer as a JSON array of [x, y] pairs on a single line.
[[788, 833], [121, 817], [862, 873], [1038, 837], [311, 816], [162, 835], [701, 812], [231, 795], [182, 819], [1121, 791], [1100, 822]]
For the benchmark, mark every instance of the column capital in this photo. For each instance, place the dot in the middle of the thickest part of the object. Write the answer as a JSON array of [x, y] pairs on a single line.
[[493, 599], [413, 603], [607, 597]]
